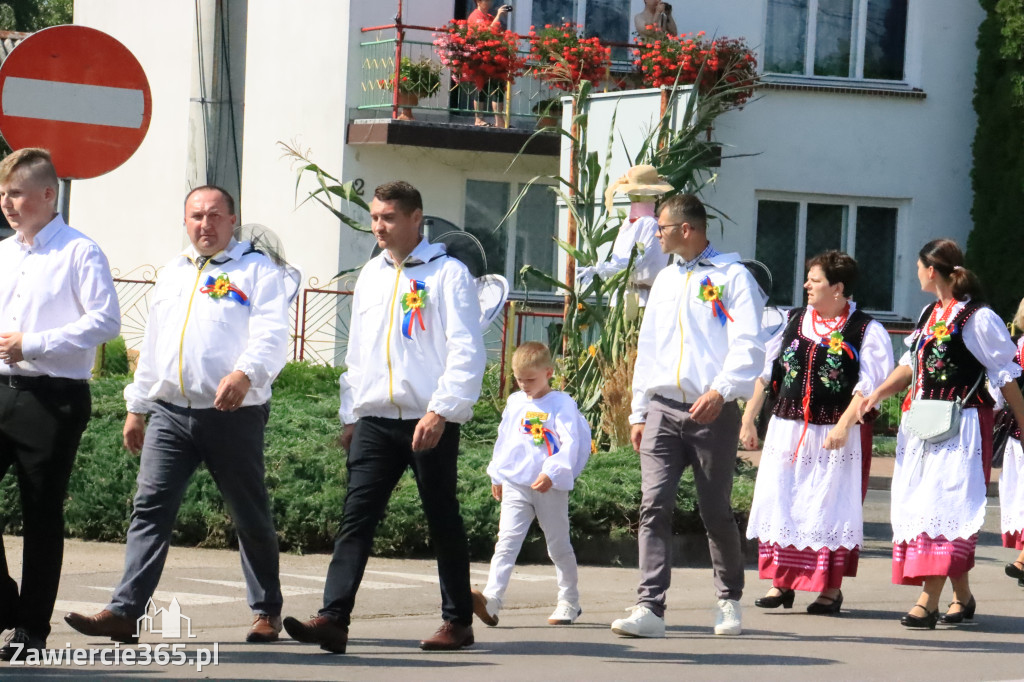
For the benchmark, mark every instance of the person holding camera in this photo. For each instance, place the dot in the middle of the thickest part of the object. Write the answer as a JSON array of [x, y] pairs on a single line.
[[656, 19], [494, 90]]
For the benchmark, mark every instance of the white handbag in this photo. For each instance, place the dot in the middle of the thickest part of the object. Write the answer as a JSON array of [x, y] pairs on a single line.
[[935, 421]]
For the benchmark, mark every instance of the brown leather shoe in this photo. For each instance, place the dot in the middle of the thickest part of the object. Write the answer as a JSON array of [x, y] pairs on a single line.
[[264, 629], [451, 636], [105, 624], [328, 633], [480, 608]]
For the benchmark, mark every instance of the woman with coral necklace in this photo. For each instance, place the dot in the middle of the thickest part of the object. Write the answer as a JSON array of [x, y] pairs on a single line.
[[806, 511], [938, 488]]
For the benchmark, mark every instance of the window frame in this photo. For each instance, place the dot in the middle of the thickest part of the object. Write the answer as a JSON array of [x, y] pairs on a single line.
[[514, 188], [858, 38], [852, 204]]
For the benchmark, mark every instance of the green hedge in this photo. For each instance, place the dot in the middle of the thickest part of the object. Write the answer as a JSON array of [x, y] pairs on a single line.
[[306, 477]]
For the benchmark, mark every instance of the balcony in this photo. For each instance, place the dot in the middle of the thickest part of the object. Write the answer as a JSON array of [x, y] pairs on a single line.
[[447, 119]]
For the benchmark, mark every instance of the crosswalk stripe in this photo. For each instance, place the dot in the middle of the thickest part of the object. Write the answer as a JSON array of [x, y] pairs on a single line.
[[286, 590], [408, 576], [62, 606], [184, 598], [524, 577], [364, 585]]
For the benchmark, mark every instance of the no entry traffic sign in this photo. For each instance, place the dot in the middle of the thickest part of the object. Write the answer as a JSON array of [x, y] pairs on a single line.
[[79, 93]]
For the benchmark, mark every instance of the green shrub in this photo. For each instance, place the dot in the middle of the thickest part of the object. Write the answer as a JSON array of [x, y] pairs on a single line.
[[306, 477]]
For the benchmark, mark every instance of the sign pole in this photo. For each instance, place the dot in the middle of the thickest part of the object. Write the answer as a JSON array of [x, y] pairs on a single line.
[[64, 199]]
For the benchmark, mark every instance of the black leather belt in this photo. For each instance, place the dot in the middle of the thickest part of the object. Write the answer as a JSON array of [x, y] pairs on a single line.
[[39, 383]]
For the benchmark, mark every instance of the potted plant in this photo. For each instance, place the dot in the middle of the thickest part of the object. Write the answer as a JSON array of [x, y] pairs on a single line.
[[561, 57], [721, 64], [548, 111], [420, 78], [478, 54]]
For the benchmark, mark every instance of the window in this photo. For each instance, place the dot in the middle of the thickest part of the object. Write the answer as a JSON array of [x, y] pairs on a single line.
[[527, 238], [838, 38], [790, 232], [609, 20]]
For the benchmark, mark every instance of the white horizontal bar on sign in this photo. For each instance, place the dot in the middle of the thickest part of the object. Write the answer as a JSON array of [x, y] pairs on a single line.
[[73, 102]]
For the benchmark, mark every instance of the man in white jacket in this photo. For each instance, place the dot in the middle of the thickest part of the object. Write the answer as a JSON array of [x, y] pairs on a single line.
[[216, 338], [415, 365], [699, 349]]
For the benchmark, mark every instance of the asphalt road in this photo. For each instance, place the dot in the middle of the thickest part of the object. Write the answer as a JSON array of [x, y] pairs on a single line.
[[399, 604]]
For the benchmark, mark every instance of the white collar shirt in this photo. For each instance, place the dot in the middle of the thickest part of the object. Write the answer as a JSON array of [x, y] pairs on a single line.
[[649, 261], [59, 294], [402, 361], [685, 349], [194, 339], [519, 459]]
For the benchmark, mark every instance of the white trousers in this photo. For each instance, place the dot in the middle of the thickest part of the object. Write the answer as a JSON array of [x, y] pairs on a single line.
[[519, 506]]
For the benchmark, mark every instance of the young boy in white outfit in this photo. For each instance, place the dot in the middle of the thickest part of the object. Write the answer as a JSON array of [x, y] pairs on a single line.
[[543, 444]]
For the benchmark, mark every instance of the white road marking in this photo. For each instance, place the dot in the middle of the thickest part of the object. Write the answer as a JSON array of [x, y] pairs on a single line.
[[286, 590], [62, 606], [524, 577], [163, 597], [73, 102], [408, 576]]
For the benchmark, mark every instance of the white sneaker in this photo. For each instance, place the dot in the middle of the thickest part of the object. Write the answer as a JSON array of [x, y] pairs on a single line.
[[564, 614], [728, 618], [641, 623], [486, 608]]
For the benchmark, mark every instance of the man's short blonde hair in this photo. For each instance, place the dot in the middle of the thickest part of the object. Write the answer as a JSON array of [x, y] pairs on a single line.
[[34, 163], [532, 355]]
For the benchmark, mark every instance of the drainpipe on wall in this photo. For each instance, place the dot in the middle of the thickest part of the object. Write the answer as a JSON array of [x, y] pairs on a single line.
[[217, 95]]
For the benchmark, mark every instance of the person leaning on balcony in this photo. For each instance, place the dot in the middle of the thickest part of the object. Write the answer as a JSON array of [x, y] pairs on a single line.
[[493, 90], [939, 487], [806, 511], [216, 338], [699, 349], [643, 186], [656, 14], [415, 365], [57, 304]]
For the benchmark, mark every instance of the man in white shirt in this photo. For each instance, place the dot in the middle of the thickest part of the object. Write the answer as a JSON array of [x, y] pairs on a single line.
[[643, 185], [415, 365], [57, 304], [699, 349], [216, 338]]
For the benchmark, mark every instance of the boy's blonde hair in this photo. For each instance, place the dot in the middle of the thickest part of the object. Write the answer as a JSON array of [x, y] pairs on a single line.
[[33, 163], [532, 355], [1018, 319]]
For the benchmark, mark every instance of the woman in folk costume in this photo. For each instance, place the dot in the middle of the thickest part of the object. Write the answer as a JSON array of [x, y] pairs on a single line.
[[939, 481], [1011, 480], [806, 511]]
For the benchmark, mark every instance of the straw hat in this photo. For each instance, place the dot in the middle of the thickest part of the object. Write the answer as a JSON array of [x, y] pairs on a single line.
[[640, 180]]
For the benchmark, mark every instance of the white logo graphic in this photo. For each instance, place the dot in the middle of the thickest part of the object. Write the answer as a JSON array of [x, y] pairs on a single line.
[[170, 621]]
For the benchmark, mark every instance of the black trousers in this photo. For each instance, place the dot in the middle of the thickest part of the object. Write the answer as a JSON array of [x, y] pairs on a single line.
[[39, 434], [380, 452]]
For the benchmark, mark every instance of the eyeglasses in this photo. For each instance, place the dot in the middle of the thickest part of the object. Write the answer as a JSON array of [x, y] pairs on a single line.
[[662, 228]]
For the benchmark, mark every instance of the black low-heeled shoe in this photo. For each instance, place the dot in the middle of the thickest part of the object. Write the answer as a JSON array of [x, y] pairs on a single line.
[[966, 612], [818, 609], [783, 599], [1013, 571], [928, 621]]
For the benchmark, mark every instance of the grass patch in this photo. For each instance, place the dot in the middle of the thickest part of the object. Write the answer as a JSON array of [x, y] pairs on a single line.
[[307, 479]]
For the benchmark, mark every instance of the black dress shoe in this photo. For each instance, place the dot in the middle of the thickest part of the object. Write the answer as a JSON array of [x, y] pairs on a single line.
[[830, 609], [927, 621], [783, 599], [965, 612], [19, 644], [1013, 571]]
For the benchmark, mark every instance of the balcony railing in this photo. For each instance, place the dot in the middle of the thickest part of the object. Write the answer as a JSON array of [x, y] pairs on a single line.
[[520, 104]]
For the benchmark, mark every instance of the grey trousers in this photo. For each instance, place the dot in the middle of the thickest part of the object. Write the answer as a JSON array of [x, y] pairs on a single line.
[[672, 441], [231, 446]]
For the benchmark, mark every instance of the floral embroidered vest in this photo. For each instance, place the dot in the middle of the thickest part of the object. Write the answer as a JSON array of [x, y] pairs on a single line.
[[834, 368], [946, 370]]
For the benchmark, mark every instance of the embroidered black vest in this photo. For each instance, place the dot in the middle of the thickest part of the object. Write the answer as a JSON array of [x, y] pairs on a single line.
[[834, 368], [946, 370], [1005, 415]]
